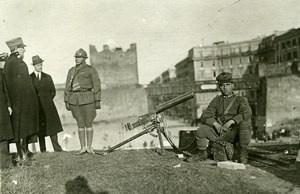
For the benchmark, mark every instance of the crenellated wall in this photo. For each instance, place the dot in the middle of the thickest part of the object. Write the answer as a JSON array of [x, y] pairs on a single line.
[[115, 67]]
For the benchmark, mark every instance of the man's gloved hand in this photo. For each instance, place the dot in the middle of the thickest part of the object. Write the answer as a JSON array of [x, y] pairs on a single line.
[[217, 126], [227, 125], [98, 104], [67, 106]]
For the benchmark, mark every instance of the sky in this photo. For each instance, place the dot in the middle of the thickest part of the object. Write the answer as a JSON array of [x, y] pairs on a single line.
[[164, 31]]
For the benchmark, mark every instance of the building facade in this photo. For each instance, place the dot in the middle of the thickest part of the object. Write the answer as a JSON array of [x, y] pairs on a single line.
[[287, 51]]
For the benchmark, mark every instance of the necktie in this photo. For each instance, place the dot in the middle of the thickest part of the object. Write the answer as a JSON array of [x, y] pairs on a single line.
[[39, 76]]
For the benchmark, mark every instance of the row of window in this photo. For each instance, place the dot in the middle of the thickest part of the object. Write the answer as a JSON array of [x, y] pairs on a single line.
[[221, 62], [287, 56], [288, 44], [221, 52]]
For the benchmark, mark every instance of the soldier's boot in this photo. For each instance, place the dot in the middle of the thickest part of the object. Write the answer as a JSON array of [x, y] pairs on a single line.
[[89, 134], [243, 155], [81, 133], [200, 156]]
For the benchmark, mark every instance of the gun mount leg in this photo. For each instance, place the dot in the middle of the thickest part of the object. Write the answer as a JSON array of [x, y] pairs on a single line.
[[161, 141], [126, 141]]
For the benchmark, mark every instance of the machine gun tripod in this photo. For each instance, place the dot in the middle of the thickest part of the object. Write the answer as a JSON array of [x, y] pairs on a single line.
[[153, 121]]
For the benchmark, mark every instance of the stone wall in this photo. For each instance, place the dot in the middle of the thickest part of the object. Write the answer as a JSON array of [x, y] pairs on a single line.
[[283, 102], [116, 103], [115, 67]]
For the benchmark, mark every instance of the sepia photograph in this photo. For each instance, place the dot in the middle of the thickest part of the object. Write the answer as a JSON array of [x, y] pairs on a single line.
[[140, 96]]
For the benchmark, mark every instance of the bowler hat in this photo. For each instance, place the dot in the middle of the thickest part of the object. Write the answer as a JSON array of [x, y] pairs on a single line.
[[3, 56], [36, 59], [224, 77], [15, 43]]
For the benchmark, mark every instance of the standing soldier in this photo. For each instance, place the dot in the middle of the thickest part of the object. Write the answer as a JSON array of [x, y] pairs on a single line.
[[82, 97], [23, 98], [226, 116], [49, 122], [6, 132]]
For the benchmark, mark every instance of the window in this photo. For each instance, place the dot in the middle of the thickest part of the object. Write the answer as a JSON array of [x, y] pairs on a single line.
[[277, 47], [213, 63], [250, 69], [289, 56], [294, 42], [201, 63], [295, 55], [288, 44], [283, 45], [214, 73], [250, 59]]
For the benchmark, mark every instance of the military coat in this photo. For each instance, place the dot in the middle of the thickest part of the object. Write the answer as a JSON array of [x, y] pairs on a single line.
[[83, 85], [6, 132], [239, 111], [25, 118], [49, 119]]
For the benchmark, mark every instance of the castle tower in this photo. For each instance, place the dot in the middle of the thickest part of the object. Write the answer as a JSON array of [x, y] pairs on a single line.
[[116, 67]]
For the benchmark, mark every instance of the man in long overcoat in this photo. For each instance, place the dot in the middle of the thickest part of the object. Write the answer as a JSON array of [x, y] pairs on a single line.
[[49, 122], [6, 132], [23, 98]]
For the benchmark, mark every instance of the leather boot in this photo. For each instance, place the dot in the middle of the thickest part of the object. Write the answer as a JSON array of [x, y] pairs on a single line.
[[81, 133], [89, 134], [243, 155], [200, 156]]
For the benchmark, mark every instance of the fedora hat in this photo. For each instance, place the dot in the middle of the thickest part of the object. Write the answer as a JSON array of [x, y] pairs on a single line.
[[36, 59]]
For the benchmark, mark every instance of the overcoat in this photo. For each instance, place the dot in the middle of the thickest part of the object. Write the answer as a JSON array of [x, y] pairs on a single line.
[[49, 119], [6, 132], [23, 97]]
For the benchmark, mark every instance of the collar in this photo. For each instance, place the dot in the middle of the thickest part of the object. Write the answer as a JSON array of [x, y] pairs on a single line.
[[36, 73], [229, 96], [81, 66]]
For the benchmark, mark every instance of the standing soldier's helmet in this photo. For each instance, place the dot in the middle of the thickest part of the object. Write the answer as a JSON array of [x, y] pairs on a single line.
[[81, 53]]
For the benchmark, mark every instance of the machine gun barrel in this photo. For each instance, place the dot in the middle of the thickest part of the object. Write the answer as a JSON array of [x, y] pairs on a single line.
[[175, 101], [144, 119]]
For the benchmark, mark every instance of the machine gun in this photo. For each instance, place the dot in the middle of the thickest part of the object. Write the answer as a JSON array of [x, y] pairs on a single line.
[[152, 121]]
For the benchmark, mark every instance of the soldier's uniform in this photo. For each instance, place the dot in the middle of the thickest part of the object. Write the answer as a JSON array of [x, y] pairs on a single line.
[[217, 111], [82, 97], [82, 90]]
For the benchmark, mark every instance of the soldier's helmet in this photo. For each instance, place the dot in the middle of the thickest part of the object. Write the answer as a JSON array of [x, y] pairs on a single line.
[[81, 53], [224, 77]]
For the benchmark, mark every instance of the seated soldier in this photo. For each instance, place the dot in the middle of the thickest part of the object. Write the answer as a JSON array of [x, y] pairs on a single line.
[[227, 116]]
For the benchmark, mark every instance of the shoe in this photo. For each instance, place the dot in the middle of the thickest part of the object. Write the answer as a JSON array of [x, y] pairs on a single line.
[[201, 156], [29, 154], [90, 150], [82, 151]]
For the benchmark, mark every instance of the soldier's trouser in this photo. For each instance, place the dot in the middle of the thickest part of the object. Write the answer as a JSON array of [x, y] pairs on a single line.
[[84, 114], [206, 133]]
